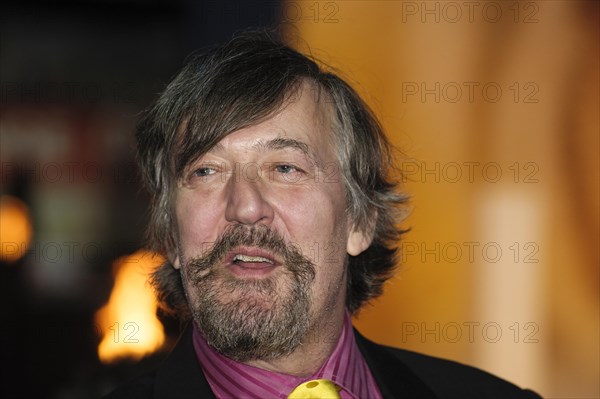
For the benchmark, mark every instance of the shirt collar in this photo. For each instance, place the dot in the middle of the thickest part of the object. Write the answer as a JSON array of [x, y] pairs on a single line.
[[229, 378]]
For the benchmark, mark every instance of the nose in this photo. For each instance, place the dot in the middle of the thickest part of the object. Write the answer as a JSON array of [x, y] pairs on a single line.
[[246, 202]]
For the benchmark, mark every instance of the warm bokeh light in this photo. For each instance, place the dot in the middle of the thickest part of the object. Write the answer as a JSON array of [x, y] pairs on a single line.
[[128, 322], [15, 228]]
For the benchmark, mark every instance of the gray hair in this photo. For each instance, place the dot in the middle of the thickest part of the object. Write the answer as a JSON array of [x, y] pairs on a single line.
[[236, 85]]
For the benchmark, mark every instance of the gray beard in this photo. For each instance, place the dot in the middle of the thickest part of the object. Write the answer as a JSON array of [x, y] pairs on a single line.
[[250, 319]]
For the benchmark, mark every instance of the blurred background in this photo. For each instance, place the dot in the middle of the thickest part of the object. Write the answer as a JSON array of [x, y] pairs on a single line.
[[495, 106]]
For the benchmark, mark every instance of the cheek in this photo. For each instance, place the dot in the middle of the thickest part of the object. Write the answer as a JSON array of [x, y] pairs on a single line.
[[197, 219], [315, 221], [308, 212]]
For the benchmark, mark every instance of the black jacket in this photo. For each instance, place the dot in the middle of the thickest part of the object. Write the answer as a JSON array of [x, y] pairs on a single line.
[[399, 374]]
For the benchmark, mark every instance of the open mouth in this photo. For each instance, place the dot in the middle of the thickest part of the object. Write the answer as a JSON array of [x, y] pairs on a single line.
[[251, 261], [240, 259]]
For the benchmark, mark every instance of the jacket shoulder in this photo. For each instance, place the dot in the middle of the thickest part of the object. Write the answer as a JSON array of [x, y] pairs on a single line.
[[179, 376], [139, 388], [450, 379]]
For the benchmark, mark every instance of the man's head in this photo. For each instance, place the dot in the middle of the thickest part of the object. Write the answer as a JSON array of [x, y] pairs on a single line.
[[271, 196]]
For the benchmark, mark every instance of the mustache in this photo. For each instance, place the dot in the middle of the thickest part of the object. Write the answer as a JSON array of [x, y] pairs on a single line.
[[259, 236]]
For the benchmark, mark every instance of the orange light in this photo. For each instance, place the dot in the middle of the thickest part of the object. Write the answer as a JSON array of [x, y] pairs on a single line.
[[128, 322], [15, 228]]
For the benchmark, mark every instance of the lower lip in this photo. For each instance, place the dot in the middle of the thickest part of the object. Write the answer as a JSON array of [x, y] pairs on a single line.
[[251, 269]]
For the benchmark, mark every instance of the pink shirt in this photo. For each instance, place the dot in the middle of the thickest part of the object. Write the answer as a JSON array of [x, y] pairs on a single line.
[[230, 379]]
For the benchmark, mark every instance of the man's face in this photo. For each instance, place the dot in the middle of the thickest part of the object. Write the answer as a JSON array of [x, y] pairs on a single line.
[[263, 235]]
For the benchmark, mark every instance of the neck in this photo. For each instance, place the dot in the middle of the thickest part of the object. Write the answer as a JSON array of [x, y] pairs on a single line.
[[317, 345]]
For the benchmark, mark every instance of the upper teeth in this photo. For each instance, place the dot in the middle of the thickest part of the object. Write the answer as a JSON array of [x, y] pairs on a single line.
[[246, 258]]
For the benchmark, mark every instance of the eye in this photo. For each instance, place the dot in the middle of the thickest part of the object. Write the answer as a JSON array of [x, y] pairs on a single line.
[[204, 171], [286, 168]]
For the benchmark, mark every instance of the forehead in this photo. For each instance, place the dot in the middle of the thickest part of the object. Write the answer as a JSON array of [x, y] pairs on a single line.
[[304, 122]]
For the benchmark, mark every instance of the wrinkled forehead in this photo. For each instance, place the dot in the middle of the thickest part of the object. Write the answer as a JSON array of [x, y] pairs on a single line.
[[306, 105]]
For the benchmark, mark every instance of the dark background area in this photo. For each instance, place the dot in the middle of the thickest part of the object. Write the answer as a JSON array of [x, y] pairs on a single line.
[[74, 77]]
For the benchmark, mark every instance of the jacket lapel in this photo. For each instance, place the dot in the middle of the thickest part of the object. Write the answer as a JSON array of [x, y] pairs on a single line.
[[394, 379], [180, 375]]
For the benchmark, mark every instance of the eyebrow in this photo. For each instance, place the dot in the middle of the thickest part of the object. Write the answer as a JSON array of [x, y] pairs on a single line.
[[279, 143]]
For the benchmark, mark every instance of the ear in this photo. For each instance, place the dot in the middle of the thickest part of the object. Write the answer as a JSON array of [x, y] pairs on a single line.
[[358, 240]]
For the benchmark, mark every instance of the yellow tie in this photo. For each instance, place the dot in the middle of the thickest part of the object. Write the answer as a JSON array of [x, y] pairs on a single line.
[[316, 389]]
